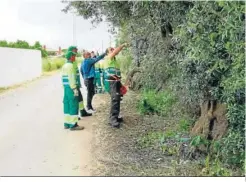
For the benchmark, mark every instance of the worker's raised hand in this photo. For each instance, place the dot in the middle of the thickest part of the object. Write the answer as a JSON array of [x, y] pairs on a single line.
[[76, 92]]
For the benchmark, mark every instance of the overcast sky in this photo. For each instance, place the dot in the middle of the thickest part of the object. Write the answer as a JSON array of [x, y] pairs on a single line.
[[43, 20]]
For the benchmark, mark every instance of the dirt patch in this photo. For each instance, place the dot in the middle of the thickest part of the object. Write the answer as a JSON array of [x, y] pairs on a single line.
[[119, 152]]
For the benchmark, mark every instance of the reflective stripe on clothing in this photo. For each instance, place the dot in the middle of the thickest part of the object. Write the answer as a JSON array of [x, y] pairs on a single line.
[[81, 105], [69, 74], [66, 118], [73, 119], [111, 72]]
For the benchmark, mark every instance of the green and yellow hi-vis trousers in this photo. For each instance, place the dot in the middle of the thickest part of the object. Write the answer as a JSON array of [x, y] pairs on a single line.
[[70, 106], [70, 102]]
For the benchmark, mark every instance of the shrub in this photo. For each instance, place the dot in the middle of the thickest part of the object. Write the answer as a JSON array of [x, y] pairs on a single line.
[[52, 64], [160, 103], [46, 65], [59, 62]]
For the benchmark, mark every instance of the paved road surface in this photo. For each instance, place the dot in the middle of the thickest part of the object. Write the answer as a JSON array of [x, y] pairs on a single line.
[[32, 138]]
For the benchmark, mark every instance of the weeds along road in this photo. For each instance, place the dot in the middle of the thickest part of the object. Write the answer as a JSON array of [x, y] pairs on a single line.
[[32, 138]]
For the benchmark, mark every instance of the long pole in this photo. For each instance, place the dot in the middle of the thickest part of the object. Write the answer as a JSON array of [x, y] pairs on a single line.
[[74, 30], [102, 47], [110, 40]]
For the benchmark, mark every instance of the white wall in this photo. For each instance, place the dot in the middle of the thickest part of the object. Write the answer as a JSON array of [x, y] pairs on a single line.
[[19, 65]]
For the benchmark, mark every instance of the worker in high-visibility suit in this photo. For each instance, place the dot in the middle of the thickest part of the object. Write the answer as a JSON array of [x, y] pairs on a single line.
[[82, 111], [102, 75], [98, 74], [112, 83], [71, 94]]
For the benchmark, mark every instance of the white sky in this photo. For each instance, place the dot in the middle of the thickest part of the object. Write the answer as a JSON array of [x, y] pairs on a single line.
[[43, 20]]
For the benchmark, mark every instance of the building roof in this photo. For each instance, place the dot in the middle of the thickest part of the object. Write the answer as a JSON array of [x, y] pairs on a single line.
[[51, 49]]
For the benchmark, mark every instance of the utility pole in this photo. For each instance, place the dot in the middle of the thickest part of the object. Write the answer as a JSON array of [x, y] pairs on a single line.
[[102, 47], [74, 30], [110, 40]]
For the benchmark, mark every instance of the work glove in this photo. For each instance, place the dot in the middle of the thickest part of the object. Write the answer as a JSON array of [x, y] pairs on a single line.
[[75, 92]]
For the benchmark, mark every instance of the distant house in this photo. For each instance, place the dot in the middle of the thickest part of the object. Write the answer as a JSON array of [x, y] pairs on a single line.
[[53, 52]]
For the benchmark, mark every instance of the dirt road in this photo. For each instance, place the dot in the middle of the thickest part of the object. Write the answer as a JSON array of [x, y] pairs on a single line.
[[32, 138]]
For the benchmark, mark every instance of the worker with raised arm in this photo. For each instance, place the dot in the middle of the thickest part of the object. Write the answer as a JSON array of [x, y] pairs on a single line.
[[71, 94], [88, 72], [82, 111], [112, 83]]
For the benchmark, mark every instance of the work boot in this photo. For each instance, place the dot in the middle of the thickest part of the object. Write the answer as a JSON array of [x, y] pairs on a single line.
[[77, 127], [114, 124], [91, 110], [83, 113], [66, 126], [120, 119]]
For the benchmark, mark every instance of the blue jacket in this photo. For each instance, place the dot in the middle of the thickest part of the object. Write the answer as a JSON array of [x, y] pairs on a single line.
[[87, 68]]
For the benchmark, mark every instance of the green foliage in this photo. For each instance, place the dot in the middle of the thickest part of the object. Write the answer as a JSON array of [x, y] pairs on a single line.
[[149, 139], [125, 60], [170, 150], [184, 125], [3, 43], [59, 62], [79, 60], [46, 65], [24, 45], [214, 168], [52, 64], [198, 141], [233, 149], [197, 48], [213, 62], [160, 103]]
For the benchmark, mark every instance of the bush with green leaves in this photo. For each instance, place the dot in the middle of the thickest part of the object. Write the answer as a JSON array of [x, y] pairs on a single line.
[[52, 64], [46, 65], [212, 65], [156, 103]]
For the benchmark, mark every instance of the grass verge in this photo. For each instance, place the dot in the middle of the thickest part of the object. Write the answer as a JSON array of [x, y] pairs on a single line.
[[151, 144]]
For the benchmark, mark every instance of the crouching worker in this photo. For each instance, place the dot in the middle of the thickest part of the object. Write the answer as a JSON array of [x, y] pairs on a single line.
[[71, 94], [112, 84], [82, 110]]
